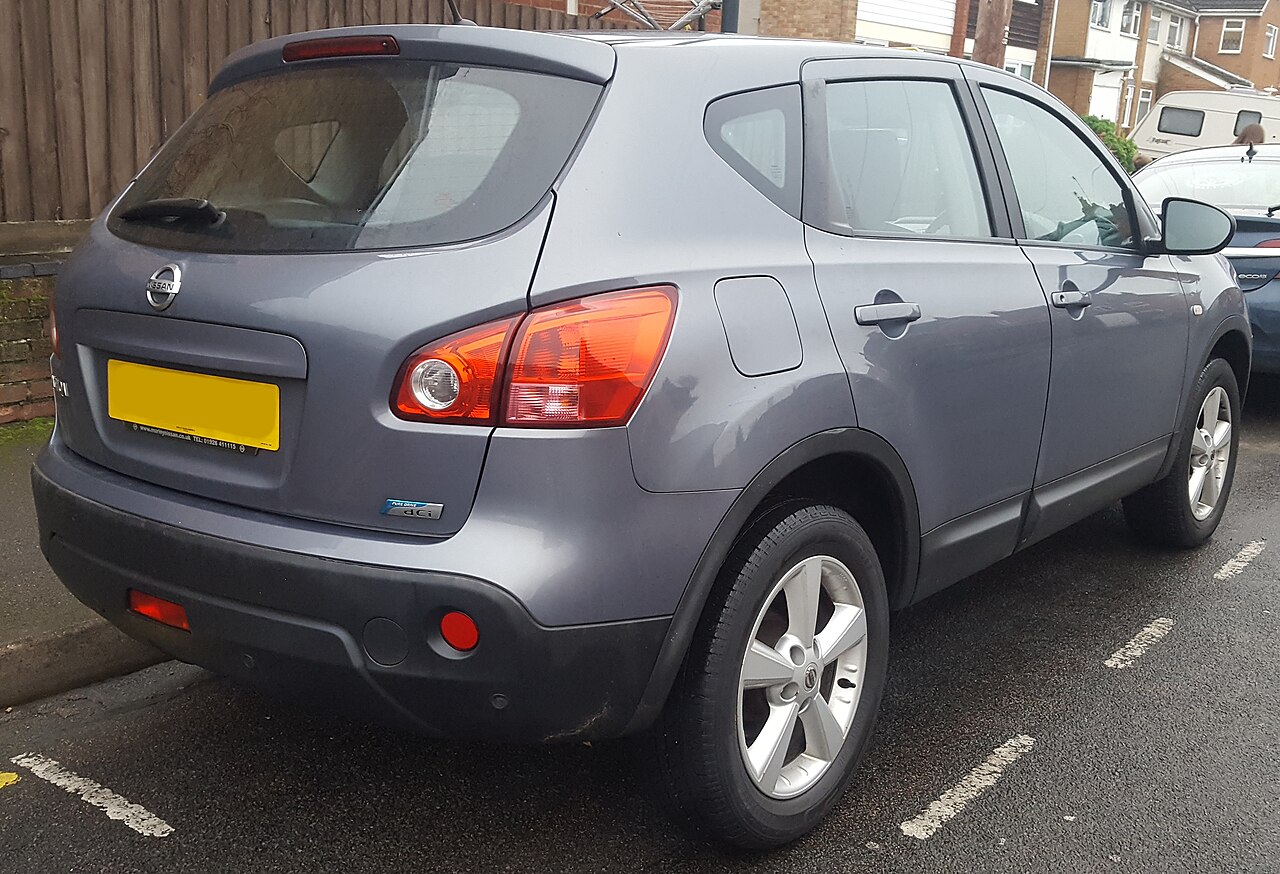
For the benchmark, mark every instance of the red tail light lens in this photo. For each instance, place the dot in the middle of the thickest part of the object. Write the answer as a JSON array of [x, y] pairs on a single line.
[[1269, 244], [53, 333], [162, 611], [453, 379], [340, 47], [588, 362]]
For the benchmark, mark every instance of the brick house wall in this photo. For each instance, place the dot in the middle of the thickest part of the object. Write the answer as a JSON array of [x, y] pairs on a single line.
[[25, 388], [1073, 86], [812, 19], [1249, 63]]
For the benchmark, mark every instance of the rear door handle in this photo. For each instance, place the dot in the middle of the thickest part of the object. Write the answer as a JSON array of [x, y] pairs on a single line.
[[1071, 298], [874, 314]]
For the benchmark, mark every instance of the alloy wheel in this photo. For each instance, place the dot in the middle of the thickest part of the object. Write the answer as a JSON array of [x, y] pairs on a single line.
[[1210, 454]]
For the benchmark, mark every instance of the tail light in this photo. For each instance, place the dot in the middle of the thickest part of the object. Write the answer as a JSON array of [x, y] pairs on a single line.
[[454, 379], [1268, 244], [340, 47], [588, 362], [53, 332], [584, 363]]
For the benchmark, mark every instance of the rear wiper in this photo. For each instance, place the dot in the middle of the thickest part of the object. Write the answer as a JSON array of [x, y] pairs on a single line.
[[175, 209], [1272, 210]]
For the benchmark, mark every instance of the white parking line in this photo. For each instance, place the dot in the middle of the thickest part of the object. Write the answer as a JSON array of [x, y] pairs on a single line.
[[1133, 650], [1236, 566], [977, 781], [134, 816]]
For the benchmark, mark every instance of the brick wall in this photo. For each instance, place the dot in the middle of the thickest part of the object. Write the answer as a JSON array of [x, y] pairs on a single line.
[[812, 19], [1177, 79], [25, 389]]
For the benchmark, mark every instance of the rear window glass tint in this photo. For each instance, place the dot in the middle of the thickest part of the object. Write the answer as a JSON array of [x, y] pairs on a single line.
[[758, 134], [364, 155], [1182, 122], [1244, 118]]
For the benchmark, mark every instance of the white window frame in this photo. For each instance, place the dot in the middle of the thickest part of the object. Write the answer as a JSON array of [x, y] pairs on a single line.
[[1100, 9], [1021, 69], [1231, 26], [1145, 96], [1176, 23], [1157, 18], [1131, 17], [1269, 48]]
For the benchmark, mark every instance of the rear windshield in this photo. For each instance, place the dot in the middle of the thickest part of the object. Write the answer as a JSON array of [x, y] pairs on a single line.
[[366, 155]]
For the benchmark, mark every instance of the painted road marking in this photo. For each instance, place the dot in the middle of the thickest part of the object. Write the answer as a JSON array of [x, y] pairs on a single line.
[[1236, 566], [134, 816], [1133, 650], [977, 781], [8, 778]]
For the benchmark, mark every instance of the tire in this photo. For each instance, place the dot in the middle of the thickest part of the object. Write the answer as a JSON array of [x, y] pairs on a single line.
[[701, 742], [1164, 513]]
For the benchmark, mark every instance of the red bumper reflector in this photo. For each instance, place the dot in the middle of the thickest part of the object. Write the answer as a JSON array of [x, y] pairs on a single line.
[[341, 47], [459, 631], [162, 611]]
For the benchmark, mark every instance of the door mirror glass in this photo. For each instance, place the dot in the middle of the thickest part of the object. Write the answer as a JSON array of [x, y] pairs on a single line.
[[1195, 228]]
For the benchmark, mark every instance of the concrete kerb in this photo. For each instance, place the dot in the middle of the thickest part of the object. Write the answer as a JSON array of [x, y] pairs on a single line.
[[46, 664]]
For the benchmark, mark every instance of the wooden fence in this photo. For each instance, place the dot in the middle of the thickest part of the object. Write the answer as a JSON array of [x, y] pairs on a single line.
[[89, 89]]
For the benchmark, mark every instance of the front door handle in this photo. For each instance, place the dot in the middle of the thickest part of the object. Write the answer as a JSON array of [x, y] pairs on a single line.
[[874, 314], [1070, 298]]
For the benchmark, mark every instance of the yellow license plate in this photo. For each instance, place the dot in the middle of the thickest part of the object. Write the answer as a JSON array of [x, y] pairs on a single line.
[[212, 407]]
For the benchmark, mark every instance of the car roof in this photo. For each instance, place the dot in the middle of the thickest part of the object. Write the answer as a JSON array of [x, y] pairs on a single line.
[[1209, 154]]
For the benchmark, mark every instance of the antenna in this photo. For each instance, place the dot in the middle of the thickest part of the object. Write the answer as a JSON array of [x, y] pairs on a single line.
[[457, 16]]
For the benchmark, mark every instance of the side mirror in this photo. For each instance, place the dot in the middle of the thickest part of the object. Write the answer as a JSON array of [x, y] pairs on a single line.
[[1189, 227]]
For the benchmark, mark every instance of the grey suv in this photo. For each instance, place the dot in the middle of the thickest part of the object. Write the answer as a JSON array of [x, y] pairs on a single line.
[[537, 387]]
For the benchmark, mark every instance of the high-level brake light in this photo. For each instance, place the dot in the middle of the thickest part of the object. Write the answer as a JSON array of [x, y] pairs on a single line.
[[340, 47]]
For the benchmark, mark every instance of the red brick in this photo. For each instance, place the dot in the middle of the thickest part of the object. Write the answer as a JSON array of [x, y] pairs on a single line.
[[23, 370], [15, 351], [14, 393], [25, 329], [40, 389], [40, 347], [38, 409], [10, 414]]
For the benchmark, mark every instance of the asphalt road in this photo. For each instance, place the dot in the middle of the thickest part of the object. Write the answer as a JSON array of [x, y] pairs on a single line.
[[1170, 764]]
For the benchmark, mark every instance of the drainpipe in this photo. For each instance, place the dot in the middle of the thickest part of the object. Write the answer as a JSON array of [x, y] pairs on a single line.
[[1053, 31]]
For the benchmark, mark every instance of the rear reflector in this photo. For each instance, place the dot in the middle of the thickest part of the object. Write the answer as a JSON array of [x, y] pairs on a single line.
[[459, 631], [588, 362], [341, 47], [162, 611]]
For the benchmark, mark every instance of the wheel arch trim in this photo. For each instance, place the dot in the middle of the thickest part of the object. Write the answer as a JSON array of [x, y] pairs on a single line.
[[855, 442]]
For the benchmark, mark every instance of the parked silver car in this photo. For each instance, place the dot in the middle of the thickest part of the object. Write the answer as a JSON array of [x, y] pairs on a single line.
[[536, 387]]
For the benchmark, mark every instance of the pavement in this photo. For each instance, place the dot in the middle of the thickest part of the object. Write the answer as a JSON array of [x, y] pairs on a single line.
[[49, 641], [1137, 689]]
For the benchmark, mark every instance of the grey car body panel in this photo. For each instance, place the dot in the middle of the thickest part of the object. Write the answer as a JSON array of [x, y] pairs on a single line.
[[553, 54], [759, 325], [359, 315]]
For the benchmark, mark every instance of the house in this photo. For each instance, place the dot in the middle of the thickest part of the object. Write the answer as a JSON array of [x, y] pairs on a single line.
[[1114, 58]]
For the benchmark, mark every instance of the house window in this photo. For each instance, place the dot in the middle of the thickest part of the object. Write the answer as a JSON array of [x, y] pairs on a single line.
[[1174, 39], [1100, 14], [1232, 37], [1269, 51], [1144, 105], [1017, 69], [1131, 18], [1153, 27]]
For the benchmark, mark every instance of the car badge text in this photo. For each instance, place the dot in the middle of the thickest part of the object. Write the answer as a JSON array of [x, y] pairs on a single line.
[[163, 286]]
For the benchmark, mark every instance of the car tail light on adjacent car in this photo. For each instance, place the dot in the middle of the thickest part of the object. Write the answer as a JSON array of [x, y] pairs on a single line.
[[582, 363], [1268, 244]]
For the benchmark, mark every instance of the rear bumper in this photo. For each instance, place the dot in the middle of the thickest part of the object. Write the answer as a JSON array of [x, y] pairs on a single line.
[[349, 636]]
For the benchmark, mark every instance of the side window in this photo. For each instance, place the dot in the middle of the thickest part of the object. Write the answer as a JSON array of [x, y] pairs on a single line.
[[901, 162], [1182, 122], [758, 134], [1244, 118], [1065, 191]]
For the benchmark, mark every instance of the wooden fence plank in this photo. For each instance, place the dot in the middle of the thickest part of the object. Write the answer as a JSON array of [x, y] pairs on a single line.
[[91, 18], [146, 83], [418, 11], [402, 12], [194, 54], [15, 166], [120, 106], [238, 27], [260, 20], [169, 38], [317, 15], [217, 30], [355, 13], [42, 128], [436, 12], [280, 15], [337, 13], [73, 181]]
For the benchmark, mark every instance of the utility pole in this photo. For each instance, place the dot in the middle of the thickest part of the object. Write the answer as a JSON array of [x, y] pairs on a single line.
[[959, 29], [992, 32]]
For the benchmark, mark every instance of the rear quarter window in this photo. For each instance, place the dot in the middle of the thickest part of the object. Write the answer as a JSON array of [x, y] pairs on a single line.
[[759, 135], [371, 154], [1181, 122]]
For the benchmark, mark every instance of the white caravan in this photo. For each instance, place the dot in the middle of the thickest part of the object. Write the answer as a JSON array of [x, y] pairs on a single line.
[[1182, 120]]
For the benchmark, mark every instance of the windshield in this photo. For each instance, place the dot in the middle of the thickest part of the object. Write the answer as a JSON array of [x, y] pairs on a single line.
[[365, 155], [1228, 184]]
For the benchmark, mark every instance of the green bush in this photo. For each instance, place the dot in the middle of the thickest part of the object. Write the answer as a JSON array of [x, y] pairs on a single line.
[[1124, 149]]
